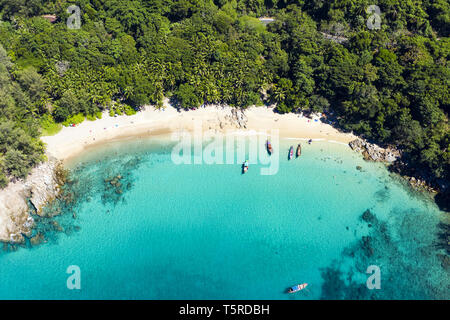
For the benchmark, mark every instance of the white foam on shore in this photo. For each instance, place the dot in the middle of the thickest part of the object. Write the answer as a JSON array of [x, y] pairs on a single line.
[[248, 133], [338, 142], [317, 140], [305, 139]]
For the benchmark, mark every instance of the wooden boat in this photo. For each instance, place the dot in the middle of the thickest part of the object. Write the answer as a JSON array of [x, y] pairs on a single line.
[[299, 151], [269, 147], [291, 153], [297, 288], [245, 167]]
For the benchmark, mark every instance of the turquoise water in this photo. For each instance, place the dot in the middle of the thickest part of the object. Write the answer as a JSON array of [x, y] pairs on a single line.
[[208, 232]]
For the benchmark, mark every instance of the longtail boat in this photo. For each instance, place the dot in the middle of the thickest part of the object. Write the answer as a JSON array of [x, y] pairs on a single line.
[[291, 153], [269, 147], [245, 167], [299, 151], [297, 288]]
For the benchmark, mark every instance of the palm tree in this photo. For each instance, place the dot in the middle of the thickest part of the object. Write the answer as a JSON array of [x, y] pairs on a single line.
[[278, 95]]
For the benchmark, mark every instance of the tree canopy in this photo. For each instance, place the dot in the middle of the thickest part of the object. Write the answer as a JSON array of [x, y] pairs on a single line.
[[389, 85]]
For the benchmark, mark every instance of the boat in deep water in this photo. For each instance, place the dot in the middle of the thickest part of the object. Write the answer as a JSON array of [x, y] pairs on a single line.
[[298, 287], [299, 151], [291, 153], [269, 147]]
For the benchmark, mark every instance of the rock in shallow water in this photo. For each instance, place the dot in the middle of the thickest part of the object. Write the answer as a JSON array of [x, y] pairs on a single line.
[[37, 239], [368, 216], [367, 245], [445, 261], [372, 152]]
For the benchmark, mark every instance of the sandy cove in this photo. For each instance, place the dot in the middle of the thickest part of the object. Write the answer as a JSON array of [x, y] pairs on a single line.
[[71, 141], [42, 184]]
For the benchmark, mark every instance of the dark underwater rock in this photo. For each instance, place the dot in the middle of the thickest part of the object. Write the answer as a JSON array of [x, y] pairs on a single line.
[[368, 216], [445, 261], [37, 239], [57, 226], [367, 245]]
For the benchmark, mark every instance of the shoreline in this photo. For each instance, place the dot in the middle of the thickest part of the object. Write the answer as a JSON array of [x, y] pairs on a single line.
[[73, 141], [42, 185]]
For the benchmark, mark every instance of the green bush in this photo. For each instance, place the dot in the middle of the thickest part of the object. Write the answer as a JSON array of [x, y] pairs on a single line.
[[94, 116], [122, 109], [75, 119], [3, 180], [49, 126], [129, 111], [19, 151]]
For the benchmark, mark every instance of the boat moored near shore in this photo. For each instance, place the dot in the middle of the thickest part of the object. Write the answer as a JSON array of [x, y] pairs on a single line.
[[299, 151], [291, 153], [269, 147], [245, 167]]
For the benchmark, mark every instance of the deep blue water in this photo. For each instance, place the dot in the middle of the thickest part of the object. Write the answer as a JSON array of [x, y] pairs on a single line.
[[207, 232]]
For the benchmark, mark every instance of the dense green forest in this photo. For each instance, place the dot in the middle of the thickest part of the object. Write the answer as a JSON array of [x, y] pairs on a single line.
[[389, 85]]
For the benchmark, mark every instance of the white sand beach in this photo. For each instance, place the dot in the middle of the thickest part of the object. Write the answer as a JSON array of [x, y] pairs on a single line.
[[70, 141]]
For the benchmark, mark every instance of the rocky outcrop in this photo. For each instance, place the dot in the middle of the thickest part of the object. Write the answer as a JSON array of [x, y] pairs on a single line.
[[420, 184], [239, 118], [372, 152], [235, 119], [40, 187], [418, 179]]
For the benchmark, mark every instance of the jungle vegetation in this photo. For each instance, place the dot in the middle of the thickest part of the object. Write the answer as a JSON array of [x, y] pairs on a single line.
[[389, 85]]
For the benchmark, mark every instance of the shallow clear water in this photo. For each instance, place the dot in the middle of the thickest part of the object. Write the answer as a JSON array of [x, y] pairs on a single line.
[[208, 232]]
